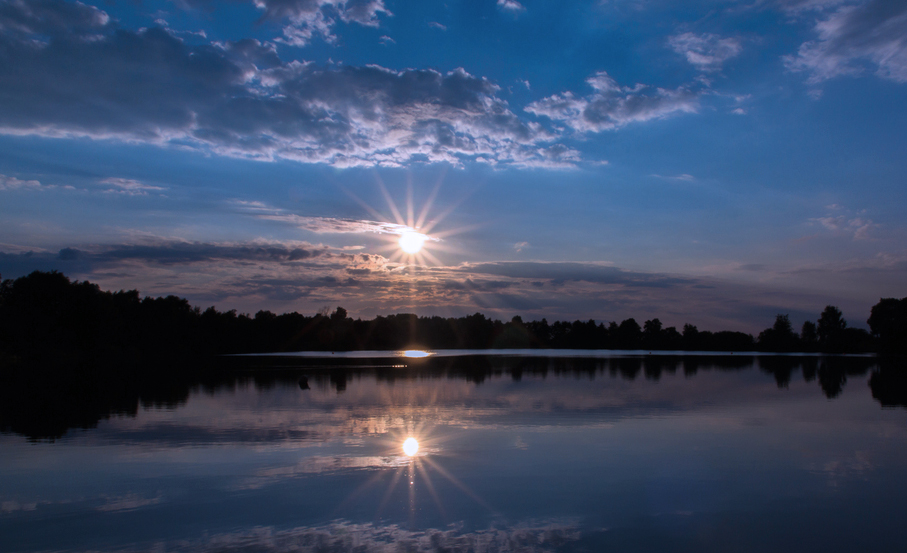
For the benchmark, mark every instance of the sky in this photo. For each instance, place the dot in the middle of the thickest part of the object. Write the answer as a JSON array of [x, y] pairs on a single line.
[[713, 162]]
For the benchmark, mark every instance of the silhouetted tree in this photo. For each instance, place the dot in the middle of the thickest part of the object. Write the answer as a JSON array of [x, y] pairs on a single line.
[[831, 325], [780, 337], [808, 337], [629, 334], [651, 334], [888, 321]]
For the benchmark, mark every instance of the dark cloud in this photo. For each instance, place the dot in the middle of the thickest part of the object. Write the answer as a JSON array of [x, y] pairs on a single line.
[[564, 272], [50, 18], [167, 253], [68, 254], [193, 252]]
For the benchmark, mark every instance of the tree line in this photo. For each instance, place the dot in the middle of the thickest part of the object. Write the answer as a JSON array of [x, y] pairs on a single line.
[[46, 316]]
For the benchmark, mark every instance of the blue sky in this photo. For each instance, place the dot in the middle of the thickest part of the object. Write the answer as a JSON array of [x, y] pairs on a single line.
[[712, 162]]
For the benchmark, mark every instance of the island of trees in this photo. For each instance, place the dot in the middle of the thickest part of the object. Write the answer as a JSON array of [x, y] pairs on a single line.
[[47, 317]]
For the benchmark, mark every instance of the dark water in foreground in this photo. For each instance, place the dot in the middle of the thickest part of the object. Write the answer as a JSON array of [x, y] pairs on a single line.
[[621, 453]]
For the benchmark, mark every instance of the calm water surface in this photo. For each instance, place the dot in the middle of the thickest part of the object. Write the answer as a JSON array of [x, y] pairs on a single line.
[[626, 454]]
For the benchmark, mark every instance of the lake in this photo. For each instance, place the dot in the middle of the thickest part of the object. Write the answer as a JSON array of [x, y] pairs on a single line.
[[614, 451]]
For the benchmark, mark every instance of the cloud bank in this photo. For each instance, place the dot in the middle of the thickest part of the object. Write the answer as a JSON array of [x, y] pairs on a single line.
[[66, 70]]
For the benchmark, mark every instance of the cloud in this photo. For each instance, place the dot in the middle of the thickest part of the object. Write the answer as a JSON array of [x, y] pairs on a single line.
[[384, 39], [324, 225], [239, 99], [50, 18], [571, 271], [129, 502], [332, 225], [12, 183], [706, 51], [308, 19], [854, 37], [682, 177], [511, 5], [171, 253], [799, 6], [130, 187], [370, 538], [843, 223], [437, 25], [612, 106]]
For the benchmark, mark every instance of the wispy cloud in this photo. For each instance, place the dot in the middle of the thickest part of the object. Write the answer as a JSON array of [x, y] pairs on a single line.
[[612, 106], [331, 225], [325, 225], [706, 51], [854, 37], [682, 177], [842, 222], [129, 187]]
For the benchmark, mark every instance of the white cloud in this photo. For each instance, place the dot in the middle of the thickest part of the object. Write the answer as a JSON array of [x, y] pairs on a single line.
[[612, 106], [854, 37], [706, 51], [511, 5], [12, 183], [308, 19]]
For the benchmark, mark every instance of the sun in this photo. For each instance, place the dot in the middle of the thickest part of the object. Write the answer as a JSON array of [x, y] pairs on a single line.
[[412, 242], [410, 446]]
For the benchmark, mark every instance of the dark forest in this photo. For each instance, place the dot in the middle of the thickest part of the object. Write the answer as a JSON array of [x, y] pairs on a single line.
[[47, 317]]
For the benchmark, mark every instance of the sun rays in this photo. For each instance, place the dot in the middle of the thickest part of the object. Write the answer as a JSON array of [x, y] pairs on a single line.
[[411, 237]]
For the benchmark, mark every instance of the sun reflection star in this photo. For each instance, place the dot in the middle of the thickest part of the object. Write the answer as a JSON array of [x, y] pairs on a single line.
[[410, 447], [416, 353]]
